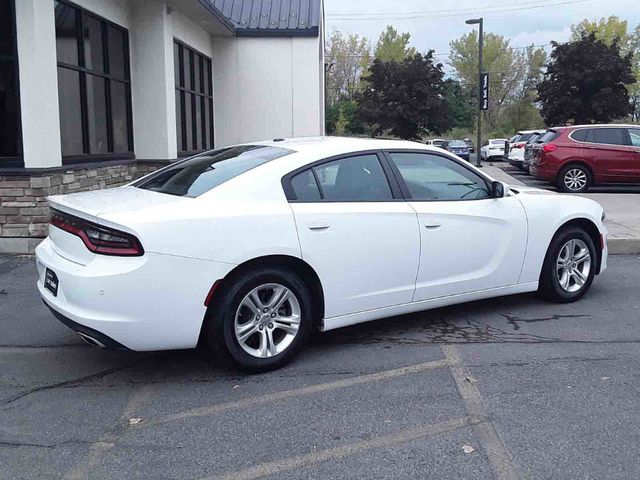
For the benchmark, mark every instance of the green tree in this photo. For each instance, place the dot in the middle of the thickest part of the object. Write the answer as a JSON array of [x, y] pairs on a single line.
[[585, 82], [461, 104], [406, 98], [347, 57], [611, 30], [393, 47], [341, 119], [513, 74]]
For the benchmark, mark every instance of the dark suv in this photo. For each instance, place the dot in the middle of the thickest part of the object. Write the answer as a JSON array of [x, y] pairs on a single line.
[[576, 157]]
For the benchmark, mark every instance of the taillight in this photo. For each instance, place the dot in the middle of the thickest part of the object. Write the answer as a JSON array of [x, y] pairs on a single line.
[[549, 147], [97, 238], [517, 145]]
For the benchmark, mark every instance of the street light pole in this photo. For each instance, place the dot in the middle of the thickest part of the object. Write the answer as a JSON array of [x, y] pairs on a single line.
[[479, 22]]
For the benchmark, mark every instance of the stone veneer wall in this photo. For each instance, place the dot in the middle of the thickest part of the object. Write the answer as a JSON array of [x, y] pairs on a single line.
[[24, 214]]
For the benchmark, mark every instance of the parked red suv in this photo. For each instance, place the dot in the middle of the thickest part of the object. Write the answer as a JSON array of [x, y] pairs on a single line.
[[576, 157]]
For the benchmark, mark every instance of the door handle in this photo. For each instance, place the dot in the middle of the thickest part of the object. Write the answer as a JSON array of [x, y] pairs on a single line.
[[319, 226], [432, 224]]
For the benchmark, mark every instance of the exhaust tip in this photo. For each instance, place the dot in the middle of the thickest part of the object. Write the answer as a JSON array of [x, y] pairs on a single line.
[[91, 341]]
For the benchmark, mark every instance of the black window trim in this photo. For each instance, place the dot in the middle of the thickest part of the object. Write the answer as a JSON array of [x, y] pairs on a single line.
[[105, 74], [392, 181], [207, 95], [405, 190], [18, 160]]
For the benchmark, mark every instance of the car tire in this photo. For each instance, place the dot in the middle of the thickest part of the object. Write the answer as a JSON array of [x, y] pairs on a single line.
[[234, 315], [573, 248], [574, 179]]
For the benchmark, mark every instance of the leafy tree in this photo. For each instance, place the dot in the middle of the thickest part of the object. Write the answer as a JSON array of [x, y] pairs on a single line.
[[348, 57], [405, 98], [585, 82], [461, 104], [611, 30], [341, 119], [393, 47], [513, 75]]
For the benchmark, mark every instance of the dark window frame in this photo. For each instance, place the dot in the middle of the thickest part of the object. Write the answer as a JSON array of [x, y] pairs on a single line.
[[108, 79], [18, 160], [205, 70]]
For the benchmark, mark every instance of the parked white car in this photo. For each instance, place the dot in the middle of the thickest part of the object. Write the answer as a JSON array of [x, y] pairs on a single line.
[[493, 149], [517, 144], [251, 247]]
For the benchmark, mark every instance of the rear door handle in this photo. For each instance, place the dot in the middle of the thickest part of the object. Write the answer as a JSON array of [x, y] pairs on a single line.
[[432, 224], [319, 225]]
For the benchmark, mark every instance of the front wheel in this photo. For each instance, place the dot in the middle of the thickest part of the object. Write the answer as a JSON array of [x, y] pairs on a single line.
[[569, 266], [262, 319]]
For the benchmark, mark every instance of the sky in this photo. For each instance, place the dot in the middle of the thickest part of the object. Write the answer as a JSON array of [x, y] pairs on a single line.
[[434, 23]]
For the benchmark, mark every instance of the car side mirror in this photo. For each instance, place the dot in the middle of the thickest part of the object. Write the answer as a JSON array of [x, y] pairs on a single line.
[[499, 189]]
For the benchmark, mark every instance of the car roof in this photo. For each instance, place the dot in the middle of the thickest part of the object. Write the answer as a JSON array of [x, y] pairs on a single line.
[[338, 145], [598, 125]]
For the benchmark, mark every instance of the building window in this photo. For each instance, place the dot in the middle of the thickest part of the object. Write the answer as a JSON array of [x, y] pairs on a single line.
[[10, 136], [194, 100], [94, 86]]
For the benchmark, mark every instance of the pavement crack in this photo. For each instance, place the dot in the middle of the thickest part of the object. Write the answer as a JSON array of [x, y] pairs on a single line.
[[514, 321], [76, 382]]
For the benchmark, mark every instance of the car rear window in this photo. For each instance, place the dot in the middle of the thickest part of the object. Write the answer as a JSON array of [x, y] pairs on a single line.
[[525, 137], [548, 136], [498, 142], [196, 175]]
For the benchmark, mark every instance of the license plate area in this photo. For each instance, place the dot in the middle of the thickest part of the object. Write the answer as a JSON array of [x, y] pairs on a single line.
[[51, 282]]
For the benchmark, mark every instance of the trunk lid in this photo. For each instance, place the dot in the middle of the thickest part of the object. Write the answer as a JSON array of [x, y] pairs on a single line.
[[91, 206]]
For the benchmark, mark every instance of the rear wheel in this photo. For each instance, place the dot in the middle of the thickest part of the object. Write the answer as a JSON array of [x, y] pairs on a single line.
[[262, 319], [574, 179], [569, 266]]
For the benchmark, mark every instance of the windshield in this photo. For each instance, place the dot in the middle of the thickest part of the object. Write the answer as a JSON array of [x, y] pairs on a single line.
[[457, 143], [197, 175]]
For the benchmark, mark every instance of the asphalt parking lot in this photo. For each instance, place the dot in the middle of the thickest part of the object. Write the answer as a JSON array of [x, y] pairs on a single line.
[[505, 388]]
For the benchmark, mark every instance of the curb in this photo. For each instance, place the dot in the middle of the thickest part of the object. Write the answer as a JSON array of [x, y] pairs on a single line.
[[623, 246]]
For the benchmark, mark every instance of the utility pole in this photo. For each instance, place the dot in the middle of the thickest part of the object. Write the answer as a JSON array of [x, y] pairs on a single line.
[[479, 21]]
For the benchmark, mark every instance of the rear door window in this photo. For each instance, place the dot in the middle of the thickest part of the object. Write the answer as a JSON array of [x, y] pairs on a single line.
[[580, 135], [305, 187], [610, 136], [354, 179], [196, 175]]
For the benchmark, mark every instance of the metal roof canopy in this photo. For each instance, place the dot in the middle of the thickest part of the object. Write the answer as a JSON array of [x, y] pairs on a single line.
[[267, 18]]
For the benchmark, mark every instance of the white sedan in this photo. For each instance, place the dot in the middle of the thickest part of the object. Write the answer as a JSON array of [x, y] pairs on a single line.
[[249, 248], [493, 149]]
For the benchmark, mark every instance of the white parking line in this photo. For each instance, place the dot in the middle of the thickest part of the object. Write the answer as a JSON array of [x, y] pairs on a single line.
[[384, 441], [498, 454], [297, 392]]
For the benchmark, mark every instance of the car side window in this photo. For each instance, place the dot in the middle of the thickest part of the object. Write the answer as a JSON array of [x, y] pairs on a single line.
[[354, 179], [305, 187], [432, 177], [634, 135], [580, 135], [609, 136]]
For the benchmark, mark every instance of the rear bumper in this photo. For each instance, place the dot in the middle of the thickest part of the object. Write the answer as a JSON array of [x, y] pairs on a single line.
[[542, 172], [153, 302]]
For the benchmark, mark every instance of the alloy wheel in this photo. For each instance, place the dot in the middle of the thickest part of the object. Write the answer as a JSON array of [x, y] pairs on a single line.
[[267, 320], [573, 265], [575, 179]]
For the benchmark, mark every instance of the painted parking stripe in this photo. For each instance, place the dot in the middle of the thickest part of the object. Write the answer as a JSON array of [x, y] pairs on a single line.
[[297, 392], [312, 458]]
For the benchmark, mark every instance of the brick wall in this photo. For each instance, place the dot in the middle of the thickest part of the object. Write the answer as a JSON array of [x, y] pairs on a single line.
[[24, 214]]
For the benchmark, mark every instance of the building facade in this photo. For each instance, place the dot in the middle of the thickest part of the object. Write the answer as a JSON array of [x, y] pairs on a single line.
[[94, 93]]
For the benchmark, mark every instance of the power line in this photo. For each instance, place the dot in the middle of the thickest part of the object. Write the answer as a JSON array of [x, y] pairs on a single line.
[[433, 14]]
